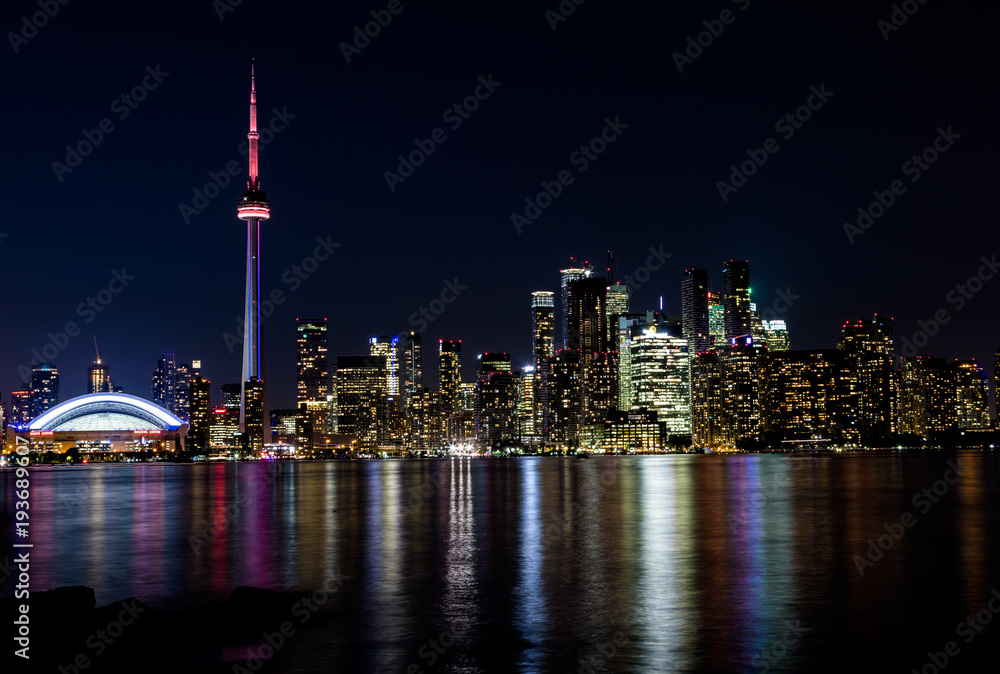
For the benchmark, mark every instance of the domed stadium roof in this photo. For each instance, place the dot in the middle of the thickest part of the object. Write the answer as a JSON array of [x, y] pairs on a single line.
[[106, 412]]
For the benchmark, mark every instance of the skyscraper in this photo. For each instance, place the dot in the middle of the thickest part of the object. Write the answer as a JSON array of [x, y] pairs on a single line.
[[165, 381], [388, 347], [543, 326], [565, 394], [617, 305], [200, 410], [972, 395], [20, 408], [661, 379], [98, 377], [776, 335], [716, 320], [586, 313], [44, 388], [569, 275], [412, 375], [736, 298], [869, 342], [312, 381], [449, 373], [694, 309], [361, 399], [182, 387], [807, 395], [253, 207]]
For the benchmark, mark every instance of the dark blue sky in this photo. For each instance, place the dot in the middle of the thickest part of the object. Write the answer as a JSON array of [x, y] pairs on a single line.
[[654, 186]]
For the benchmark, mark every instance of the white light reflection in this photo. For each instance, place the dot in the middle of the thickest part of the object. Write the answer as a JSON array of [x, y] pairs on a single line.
[[669, 563], [530, 613]]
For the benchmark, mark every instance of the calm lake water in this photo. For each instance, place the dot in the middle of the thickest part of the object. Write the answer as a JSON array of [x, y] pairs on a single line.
[[750, 563]]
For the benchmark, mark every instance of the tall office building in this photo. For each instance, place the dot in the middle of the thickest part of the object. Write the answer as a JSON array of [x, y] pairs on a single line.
[[661, 379], [736, 298], [543, 326], [182, 387], [565, 393], [44, 388], [996, 388], [20, 408], [412, 368], [449, 373], [527, 406], [253, 208], [972, 395], [716, 320], [709, 427], [568, 276], [99, 377], [165, 381], [427, 430], [586, 313], [808, 395], [200, 412], [312, 381], [776, 336], [869, 342], [694, 310], [741, 366], [495, 413], [487, 363], [388, 347], [617, 305], [361, 399]]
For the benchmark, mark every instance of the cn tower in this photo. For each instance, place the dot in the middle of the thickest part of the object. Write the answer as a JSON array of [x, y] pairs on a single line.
[[253, 207]]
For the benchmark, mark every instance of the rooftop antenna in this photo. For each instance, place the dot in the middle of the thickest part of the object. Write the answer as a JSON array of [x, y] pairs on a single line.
[[97, 350]]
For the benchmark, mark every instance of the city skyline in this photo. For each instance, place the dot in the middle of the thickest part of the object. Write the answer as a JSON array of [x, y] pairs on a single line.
[[468, 372], [653, 190]]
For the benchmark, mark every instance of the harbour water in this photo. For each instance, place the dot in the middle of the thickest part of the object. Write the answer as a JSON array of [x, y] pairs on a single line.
[[686, 563]]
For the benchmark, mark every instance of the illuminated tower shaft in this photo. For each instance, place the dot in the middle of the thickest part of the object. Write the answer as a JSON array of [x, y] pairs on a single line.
[[253, 207]]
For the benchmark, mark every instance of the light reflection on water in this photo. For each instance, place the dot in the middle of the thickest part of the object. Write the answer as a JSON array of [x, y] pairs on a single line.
[[700, 563]]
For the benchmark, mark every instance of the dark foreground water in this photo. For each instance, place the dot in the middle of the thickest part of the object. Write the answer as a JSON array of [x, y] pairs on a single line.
[[631, 564]]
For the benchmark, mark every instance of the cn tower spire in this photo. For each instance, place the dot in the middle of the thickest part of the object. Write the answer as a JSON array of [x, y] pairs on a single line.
[[253, 184], [253, 208]]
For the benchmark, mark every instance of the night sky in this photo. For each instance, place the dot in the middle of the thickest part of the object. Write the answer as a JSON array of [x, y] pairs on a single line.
[[346, 123]]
